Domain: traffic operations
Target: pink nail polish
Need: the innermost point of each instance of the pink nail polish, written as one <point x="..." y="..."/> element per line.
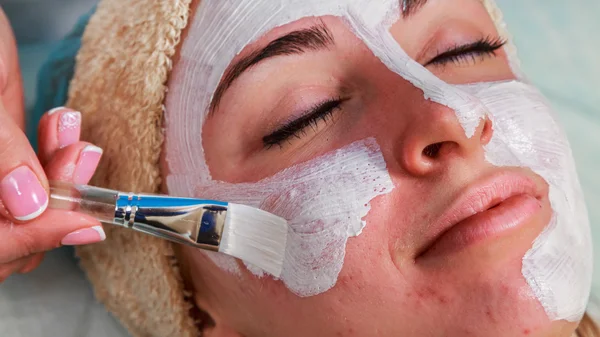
<point x="84" y="236"/>
<point x="23" y="195"/>
<point x="55" y="110"/>
<point x="87" y="164"/>
<point x="69" y="128"/>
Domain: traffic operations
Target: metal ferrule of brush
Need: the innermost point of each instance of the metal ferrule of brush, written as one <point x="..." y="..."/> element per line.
<point x="198" y="223"/>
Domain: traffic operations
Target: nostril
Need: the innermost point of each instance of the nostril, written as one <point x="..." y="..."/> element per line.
<point x="433" y="150"/>
<point x="487" y="132"/>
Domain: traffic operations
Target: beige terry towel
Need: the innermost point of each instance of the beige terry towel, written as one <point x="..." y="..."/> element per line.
<point x="119" y="86"/>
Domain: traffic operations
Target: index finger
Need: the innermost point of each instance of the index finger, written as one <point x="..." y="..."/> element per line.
<point x="11" y="84"/>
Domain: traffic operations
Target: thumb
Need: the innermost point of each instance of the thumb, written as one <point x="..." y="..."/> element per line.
<point x="23" y="183"/>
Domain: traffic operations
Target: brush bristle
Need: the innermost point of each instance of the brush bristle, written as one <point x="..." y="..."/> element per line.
<point x="255" y="236"/>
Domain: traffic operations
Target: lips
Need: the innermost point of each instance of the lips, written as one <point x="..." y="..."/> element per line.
<point x="496" y="205"/>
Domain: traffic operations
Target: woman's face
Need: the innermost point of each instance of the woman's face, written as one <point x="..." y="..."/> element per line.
<point x="416" y="269"/>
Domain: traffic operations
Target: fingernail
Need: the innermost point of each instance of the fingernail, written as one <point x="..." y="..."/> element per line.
<point x="84" y="236"/>
<point x="69" y="128"/>
<point x="53" y="111"/>
<point x="87" y="164"/>
<point x="23" y="195"/>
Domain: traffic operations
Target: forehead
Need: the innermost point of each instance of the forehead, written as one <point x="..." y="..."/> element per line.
<point x="262" y="15"/>
<point x="224" y="28"/>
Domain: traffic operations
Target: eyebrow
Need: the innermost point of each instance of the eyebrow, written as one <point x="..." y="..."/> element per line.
<point x="315" y="38"/>
<point x="411" y="7"/>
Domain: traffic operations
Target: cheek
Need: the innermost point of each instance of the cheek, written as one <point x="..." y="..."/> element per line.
<point x="368" y="257"/>
<point x="370" y="279"/>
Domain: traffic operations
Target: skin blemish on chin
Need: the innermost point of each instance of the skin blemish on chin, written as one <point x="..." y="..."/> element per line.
<point x="489" y="313"/>
<point x="428" y="294"/>
<point x="345" y="333"/>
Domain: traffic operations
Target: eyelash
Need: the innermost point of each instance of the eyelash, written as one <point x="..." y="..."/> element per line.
<point x="296" y="128"/>
<point x="482" y="48"/>
<point x="323" y="111"/>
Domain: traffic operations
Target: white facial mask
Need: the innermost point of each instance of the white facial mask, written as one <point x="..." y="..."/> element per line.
<point x="558" y="267"/>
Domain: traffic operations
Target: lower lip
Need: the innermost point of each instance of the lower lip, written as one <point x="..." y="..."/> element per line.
<point x="509" y="215"/>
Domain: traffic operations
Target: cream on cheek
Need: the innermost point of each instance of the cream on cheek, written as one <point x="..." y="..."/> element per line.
<point x="326" y="199"/>
<point x="558" y="266"/>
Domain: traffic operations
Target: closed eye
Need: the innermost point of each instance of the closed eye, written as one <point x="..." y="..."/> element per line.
<point x="483" y="48"/>
<point x="321" y="112"/>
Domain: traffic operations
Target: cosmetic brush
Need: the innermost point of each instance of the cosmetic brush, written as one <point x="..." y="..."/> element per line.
<point x="250" y="234"/>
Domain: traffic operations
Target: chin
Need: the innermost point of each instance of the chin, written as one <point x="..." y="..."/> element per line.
<point x="555" y="329"/>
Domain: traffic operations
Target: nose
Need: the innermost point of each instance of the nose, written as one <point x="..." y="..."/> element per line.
<point x="435" y="137"/>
